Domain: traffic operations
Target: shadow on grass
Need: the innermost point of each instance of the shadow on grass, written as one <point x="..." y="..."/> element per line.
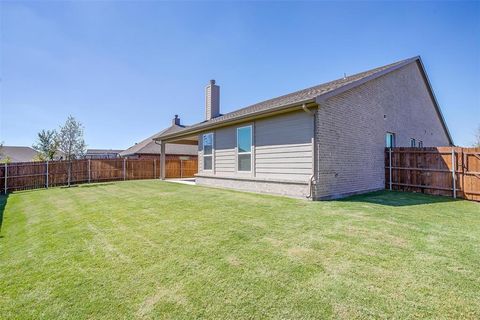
<point x="95" y="184"/>
<point x="3" y="204"/>
<point x="397" y="198"/>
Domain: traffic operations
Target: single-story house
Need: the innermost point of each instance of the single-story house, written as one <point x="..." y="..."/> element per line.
<point x="17" y="154"/>
<point x="323" y="142"/>
<point x="102" y="154"/>
<point x="149" y="149"/>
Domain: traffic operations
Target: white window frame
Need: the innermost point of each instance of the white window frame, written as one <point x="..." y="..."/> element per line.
<point x="208" y="155"/>
<point x="413" y="143"/>
<point x="393" y="138"/>
<point x="241" y="153"/>
<point x="420" y="143"/>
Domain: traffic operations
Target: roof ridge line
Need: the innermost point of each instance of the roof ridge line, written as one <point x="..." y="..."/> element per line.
<point x="324" y="90"/>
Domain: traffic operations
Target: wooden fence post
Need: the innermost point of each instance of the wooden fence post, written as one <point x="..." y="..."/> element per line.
<point x="124" y="168"/>
<point x="453" y="175"/>
<point x="390" y="167"/>
<point x="5" y="176"/>
<point x="46" y="174"/>
<point x="89" y="171"/>
<point x="154" y="168"/>
<point x="462" y="168"/>
<point x="69" y="169"/>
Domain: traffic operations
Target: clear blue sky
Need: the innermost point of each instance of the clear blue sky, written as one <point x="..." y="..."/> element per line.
<point x="125" y="68"/>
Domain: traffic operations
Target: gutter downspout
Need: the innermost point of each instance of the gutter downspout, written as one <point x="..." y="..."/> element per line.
<point x="311" y="181"/>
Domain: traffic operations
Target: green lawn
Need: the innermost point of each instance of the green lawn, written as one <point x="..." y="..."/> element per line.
<point x="151" y="249"/>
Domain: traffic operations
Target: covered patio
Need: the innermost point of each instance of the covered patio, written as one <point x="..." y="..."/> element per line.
<point x="163" y="141"/>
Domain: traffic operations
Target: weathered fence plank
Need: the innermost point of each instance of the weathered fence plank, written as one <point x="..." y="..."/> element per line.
<point x="447" y="171"/>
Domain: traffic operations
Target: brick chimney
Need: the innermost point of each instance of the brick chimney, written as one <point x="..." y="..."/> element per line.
<point x="176" y="121"/>
<point x="212" y="101"/>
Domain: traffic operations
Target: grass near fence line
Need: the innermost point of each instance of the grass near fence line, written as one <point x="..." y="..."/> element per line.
<point x="152" y="249"/>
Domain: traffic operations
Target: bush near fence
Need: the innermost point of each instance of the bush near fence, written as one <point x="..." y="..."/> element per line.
<point x="34" y="175"/>
<point x="446" y="171"/>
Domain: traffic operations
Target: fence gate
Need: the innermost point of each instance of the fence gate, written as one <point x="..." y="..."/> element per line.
<point x="181" y="167"/>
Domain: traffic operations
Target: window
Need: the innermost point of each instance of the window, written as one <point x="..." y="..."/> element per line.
<point x="208" y="151"/>
<point x="413" y="143"/>
<point x="420" y="143"/>
<point x="390" y="140"/>
<point x="244" y="148"/>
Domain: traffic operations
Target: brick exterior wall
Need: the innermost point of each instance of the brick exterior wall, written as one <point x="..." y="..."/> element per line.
<point x="289" y="189"/>
<point x="350" y="131"/>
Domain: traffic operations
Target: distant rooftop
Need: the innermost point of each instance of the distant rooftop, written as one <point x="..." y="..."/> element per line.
<point x="102" y="151"/>
<point x="18" y="153"/>
<point x="148" y="146"/>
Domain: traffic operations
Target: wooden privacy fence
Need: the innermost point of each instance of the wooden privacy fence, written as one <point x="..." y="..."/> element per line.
<point x="33" y="175"/>
<point x="448" y="171"/>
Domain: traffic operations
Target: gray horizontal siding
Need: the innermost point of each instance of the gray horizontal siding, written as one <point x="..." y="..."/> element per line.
<point x="225" y="141"/>
<point x="284" y="147"/>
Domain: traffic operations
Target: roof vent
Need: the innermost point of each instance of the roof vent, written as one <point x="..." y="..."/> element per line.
<point x="176" y="120"/>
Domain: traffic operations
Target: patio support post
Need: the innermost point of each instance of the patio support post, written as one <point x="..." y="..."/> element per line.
<point x="162" y="160"/>
<point x="181" y="169"/>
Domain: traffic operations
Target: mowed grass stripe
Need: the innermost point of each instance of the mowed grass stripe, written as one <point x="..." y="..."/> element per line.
<point x="152" y="249"/>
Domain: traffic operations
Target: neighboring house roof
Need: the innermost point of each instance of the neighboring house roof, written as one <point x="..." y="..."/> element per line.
<point x="148" y="146"/>
<point x="17" y="154"/>
<point x="315" y="94"/>
<point x="102" y="151"/>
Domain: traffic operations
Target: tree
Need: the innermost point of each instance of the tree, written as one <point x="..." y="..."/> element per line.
<point x="70" y="139"/>
<point x="2" y="159"/>
<point x="46" y="145"/>
<point x="70" y="142"/>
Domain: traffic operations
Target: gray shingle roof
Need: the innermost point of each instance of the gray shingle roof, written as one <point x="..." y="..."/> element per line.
<point x="148" y="146"/>
<point x="297" y="97"/>
<point x="102" y="151"/>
